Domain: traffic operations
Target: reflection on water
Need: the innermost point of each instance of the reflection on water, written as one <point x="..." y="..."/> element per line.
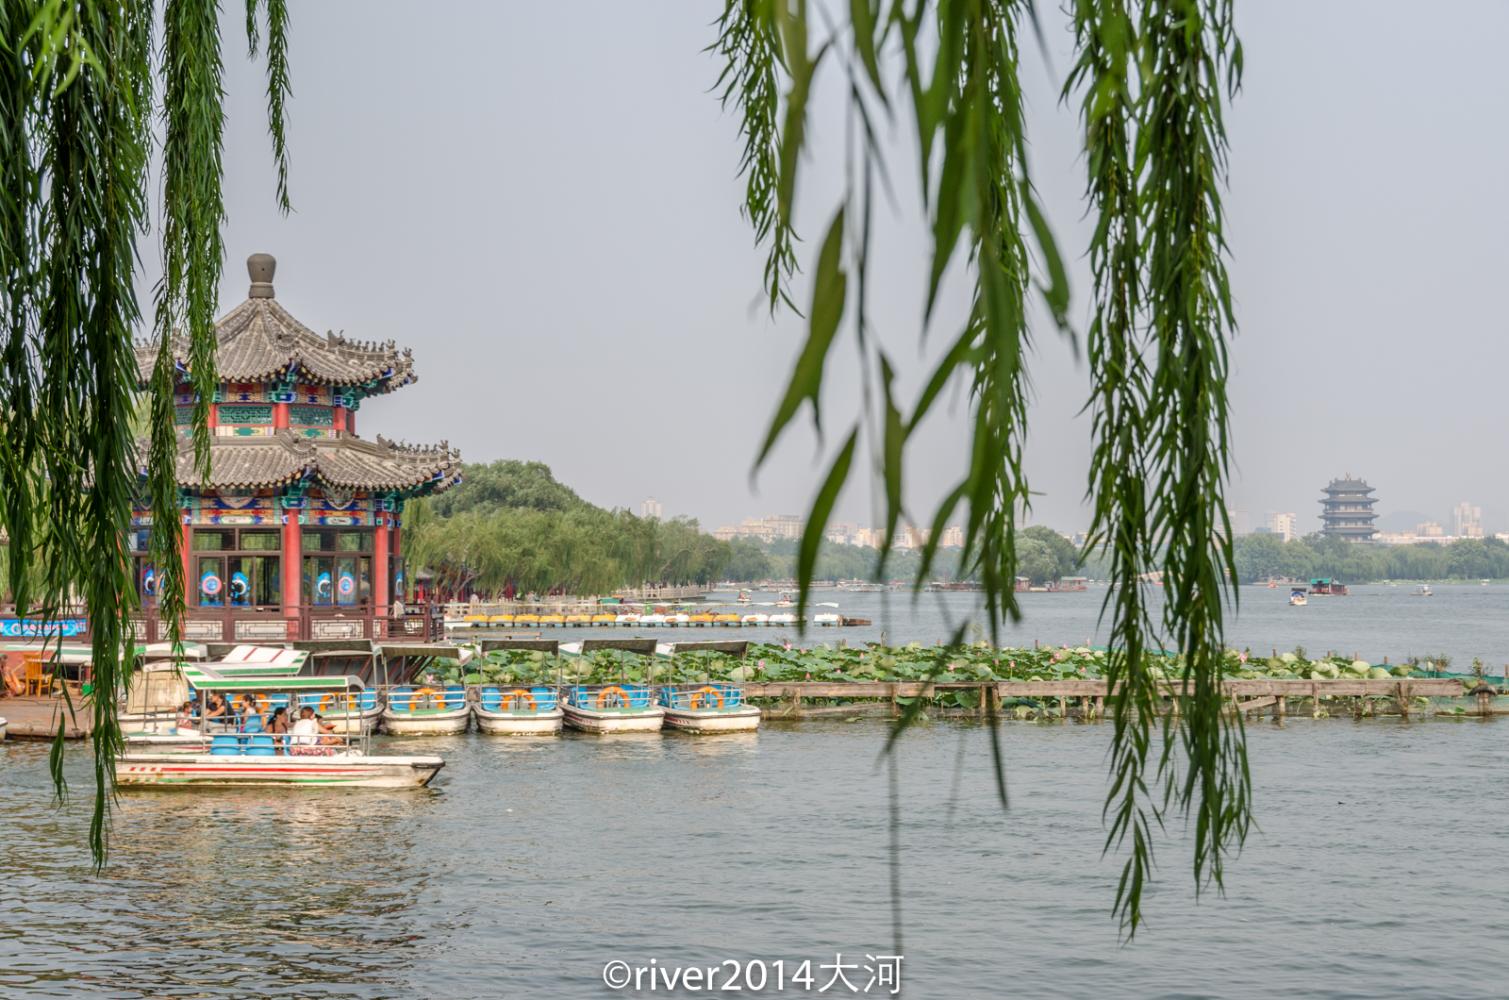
<point x="532" y="862"/>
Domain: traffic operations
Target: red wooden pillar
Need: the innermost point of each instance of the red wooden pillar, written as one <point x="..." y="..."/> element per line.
<point x="293" y="567"/>
<point x="338" y="419"/>
<point x="213" y="420"/>
<point x="380" y="569"/>
<point x="351" y="422"/>
<point x="279" y="416"/>
<point x="397" y="553"/>
<point x="190" y="585"/>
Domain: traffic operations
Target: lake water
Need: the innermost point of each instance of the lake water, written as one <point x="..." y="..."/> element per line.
<point x="1377" y="871"/>
<point x="1374" y="621"/>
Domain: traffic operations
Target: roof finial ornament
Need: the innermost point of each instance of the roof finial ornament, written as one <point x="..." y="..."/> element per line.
<point x="261" y="267"/>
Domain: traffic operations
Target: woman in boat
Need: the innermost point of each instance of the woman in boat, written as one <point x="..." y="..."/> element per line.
<point x="186" y="718"/>
<point x="245" y="711"/>
<point x="216" y="708"/>
<point x="277" y="725"/>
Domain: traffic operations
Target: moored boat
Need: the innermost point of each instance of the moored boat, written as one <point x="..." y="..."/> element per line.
<point x="1297" y="597"/>
<point x="532" y="711"/>
<point x="612" y="708"/>
<point x="262" y="765"/>
<point x="426" y="710"/>
<point x="716" y="707"/>
<point x="242" y="753"/>
<point x="356" y="711"/>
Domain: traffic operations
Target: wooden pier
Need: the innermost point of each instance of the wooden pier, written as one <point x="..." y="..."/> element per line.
<point x="38" y="718"/>
<point x="1089" y="696"/>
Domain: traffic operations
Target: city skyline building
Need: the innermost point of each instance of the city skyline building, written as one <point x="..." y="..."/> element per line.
<point x="1285" y="525"/>
<point x="652" y="508"/>
<point x="1467" y="520"/>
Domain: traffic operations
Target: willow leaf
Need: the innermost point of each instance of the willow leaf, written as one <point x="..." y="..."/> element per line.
<point x="817" y="520"/>
<point x="828" y="290"/>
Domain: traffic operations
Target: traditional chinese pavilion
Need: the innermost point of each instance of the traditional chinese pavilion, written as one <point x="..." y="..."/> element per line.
<point x="296" y="533"/>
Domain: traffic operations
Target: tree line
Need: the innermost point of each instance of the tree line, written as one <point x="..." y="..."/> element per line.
<point x="512" y="529"/>
<point x="1262" y="557"/>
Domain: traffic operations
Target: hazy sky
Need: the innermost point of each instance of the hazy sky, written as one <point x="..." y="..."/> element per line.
<point x="542" y="200"/>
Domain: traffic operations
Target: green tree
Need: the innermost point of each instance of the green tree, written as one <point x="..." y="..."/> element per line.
<point x="1150" y="79"/>
<point x="1066" y="558"/>
<point x="84" y="86"/>
<point x="1036" y="561"/>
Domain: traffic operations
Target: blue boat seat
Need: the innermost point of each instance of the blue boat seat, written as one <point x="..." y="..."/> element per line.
<point x="545" y="699"/>
<point x="492" y="699"/>
<point x="400" y="697"/>
<point x="454" y="697"/>
<point x="253" y="724"/>
<point x="225" y="746"/>
<point x="277" y="701"/>
<point x="260" y="746"/>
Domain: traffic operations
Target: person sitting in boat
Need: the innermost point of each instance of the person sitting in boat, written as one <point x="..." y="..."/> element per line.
<point x="277" y="725"/>
<point x="308" y="737"/>
<point x="326" y="730"/>
<point x="216" y="708"/>
<point x="246" y="709"/>
<point x="186" y="718"/>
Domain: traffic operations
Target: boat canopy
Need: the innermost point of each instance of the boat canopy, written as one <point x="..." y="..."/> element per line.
<point x="438" y="650"/>
<point x="176" y="651"/>
<point x="277" y="661"/>
<point x="205" y="680"/>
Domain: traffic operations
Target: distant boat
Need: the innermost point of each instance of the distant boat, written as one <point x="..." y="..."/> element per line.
<point x="1324" y="586"/>
<point x="1423" y="591"/>
<point x="1297" y="597"/>
<point x="744" y="597"/>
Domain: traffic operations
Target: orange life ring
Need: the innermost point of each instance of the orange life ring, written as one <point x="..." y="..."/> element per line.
<point x="325" y="703"/>
<point x="515" y="697"/>
<point x="424" y="692"/>
<point x="696" y="700"/>
<point x="616" y="691"/>
<point x="262" y="703"/>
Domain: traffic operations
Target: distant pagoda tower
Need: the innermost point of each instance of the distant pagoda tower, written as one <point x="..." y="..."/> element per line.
<point x="1346" y="511"/>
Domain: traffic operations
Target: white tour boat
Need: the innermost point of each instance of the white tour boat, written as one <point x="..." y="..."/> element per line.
<point x="716" y="707"/>
<point x="426" y="710"/>
<point x="612" y="708"/>
<point x="250" y="756"/>
<point x="518" y="711"/>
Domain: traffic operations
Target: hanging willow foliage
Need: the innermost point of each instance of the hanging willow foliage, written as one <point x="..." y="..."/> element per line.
<point x="1151" y="77"/>
<point x="77" y="84"/>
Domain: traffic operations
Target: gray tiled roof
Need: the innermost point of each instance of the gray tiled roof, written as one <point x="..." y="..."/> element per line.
<point x="260" y="340"/>
<point x="342" y="462"/>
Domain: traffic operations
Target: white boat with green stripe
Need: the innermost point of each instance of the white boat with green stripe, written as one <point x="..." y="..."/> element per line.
<point x="243" y="753"/>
